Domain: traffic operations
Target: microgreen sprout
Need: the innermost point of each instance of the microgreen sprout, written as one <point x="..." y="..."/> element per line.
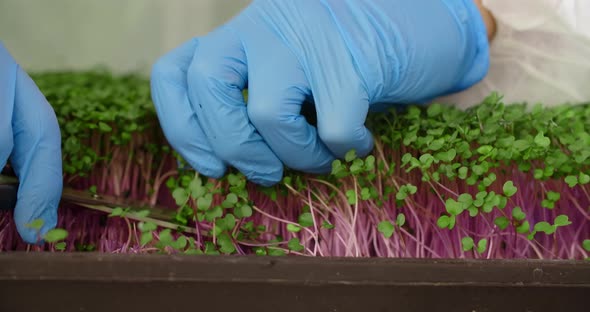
<point x="493" y="181"/>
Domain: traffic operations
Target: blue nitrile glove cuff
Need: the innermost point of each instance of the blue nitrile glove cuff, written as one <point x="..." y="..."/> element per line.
<point x="411" y="51"/>
<point x="479" y="61"/>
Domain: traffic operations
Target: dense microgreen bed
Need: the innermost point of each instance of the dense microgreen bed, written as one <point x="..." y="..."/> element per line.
<point x="111" y="141"/>
<point x="492" y="181"/>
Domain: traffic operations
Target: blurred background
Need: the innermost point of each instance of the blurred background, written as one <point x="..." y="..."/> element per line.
<point x="124" y="35"/>
<point x="540" y="53"/>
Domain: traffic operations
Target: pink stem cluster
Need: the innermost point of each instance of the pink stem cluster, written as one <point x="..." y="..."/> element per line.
<point x="355" y="232"/>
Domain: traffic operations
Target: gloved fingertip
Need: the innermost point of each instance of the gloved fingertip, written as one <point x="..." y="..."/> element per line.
<point x="266" y="181"/>
<point x="206" y="164"/>
<point x="33" y="236"/>
<point x="324" y="167"/>
<point x="212" y="173"/>
<point x="267" y="173"/>
<point x="366" y="147"/>
<point x="341" y="139"/>
<point x="35" y="217"/>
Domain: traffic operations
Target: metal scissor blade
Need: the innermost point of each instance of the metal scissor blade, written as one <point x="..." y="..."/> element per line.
<point x="8" y="192"/>
<point x="135" y="211"/>
<point x="87" y="198"/>
<point x="8" y="195"/>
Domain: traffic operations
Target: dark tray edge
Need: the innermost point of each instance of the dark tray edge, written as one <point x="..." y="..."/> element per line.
<point x="291" y="270"/>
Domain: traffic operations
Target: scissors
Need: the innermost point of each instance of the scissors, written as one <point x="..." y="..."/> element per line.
<point x="135" y="211"/>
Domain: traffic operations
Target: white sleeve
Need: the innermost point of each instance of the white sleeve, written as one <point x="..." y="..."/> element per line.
<point x="541" y="54"/>
<point x="552" y="15"/>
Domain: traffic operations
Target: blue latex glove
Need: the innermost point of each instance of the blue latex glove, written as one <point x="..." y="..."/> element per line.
<point x="347" y="56"/>
<point x="30" y="136"/>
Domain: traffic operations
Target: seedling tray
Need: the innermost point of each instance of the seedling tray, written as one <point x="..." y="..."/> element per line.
<point x="110" y="282"/>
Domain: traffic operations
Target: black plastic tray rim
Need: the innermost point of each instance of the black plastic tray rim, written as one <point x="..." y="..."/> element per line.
<point x="128" y="282"/>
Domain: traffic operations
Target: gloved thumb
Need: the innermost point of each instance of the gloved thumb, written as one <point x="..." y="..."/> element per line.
<point x="36" y="158"/>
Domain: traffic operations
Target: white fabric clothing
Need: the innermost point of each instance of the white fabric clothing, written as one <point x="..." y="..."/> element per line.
<point x="541" y="54"/>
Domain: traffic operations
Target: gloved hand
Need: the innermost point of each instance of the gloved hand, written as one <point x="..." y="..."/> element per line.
<point x="347" y="56"/>
<point x="30" y="136"/>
